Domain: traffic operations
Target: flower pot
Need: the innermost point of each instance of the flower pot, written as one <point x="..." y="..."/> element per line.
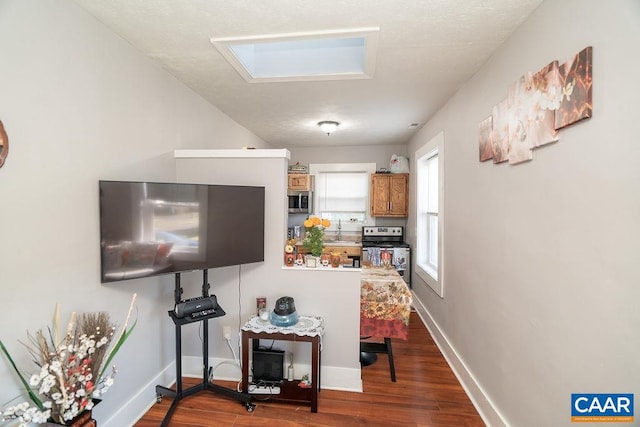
<point x="324" y="260"/>
<point x="289" y="259"/>
<point x="83" y="419"/>
<point x="311" y="261"/>
<point x="335" y="259"/>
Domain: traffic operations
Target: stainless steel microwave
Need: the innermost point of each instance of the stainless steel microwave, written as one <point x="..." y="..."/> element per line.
<point x="300" y="201"/>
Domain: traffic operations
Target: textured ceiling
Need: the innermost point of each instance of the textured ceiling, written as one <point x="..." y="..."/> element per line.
<point x="427" y="49"/>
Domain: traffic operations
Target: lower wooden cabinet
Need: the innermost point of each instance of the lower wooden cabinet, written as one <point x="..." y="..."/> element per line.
<point x="347" y="252"/>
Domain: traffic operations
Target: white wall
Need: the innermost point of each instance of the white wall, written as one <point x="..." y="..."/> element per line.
<point x="378" y="154"/>
<point x="79" y="105"/>
<point x="540" y="264"/>
<point x="331" y="294"/>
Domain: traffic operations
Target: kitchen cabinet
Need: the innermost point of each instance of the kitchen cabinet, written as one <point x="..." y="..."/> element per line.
<point x="347" y="252"/>
<point x="390" y="194"/>
<point x="299" y="182"/>
<point x="344" y="251"/>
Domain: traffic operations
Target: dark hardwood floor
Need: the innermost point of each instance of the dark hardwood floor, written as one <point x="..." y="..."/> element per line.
<point x="426" y="393"/>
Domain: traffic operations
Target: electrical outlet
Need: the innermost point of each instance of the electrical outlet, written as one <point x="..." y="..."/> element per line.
<point x="226" y="332"/>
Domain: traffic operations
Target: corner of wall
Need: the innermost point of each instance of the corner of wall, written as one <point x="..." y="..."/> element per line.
<point x="139" y="402"/>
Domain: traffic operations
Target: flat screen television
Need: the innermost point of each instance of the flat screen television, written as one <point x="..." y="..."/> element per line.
<point x="152" y="228"/>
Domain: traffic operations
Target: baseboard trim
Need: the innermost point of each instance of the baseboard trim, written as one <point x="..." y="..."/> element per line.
<point x="488" y="412"/>
<point x="138" y="404"/>
<point x="333" y="378"/>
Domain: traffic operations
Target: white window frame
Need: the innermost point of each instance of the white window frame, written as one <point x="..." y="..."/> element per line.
<point x="316" y="168"/>
<point x="432" y="277"/>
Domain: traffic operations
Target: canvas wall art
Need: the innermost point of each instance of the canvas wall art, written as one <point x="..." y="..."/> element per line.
<point x="484" y="136"/>
<point x="500" y="132"/>
<point x="575" y="84"/>
<point x="536" y="107"/>
<point x="520" y="144"/>
<point x="543" y="102"/>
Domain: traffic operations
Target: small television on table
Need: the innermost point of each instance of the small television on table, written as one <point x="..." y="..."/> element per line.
<point x="268" y="366"/>
<point x="152" y="228"/>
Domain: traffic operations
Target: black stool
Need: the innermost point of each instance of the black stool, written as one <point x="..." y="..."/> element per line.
<point x="368" y="355"/>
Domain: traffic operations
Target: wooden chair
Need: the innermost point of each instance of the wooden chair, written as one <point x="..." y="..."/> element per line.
<point x="368" y="351"/>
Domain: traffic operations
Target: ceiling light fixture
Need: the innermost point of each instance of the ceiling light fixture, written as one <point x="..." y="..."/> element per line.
<point x="328" y="126"/>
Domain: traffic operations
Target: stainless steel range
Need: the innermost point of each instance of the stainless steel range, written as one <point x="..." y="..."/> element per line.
<point x="382" y="245"/>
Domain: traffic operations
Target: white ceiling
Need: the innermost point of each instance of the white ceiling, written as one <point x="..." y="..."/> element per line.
<point x="426" y="50"/>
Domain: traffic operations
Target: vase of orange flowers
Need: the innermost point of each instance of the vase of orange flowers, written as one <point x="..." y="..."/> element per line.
<point x="313" y="242"/>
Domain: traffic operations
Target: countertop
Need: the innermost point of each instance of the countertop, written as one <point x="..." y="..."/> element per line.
<point x="338" y="243"/>
<point x="342" y="268"/>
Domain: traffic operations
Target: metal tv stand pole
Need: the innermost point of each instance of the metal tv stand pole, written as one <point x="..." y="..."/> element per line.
<point x="179" y="393"/>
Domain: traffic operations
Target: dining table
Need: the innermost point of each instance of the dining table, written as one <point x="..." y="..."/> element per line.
<point x="385" y="308"/>
<point x="385" y="303"/>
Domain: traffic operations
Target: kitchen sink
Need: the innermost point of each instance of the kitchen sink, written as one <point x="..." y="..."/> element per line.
<point x="342" y="243"/>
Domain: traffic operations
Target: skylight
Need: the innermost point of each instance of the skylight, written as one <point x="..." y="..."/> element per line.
<point x="304" y="56"/>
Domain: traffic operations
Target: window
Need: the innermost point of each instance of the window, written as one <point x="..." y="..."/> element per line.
<point x="326" y="55"/>
<point x="342" y="194"/>
<point x="429" y="218"/>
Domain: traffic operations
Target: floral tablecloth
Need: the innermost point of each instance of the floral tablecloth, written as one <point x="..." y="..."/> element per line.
<point x="385" y="304"/>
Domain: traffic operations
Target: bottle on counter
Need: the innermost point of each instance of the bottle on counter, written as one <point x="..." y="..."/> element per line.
<point x="290" y="368"/>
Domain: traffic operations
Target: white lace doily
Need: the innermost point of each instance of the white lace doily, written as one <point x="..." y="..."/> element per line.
<point x="310" y="326"/>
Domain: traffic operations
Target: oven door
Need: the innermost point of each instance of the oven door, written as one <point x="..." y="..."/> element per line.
<point x="373" y="255"/>
<point x="400" y="259"/>
<point x="402" y="262"/>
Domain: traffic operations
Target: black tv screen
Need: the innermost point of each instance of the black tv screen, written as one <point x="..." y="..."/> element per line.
<point x="151" y="228"/>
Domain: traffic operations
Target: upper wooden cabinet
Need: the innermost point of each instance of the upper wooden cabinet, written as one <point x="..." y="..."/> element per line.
<point x="300" y="182"/>
<point x="390" y="194"/>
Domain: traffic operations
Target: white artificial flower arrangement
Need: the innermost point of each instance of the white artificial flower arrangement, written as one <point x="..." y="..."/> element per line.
<point x="72" y="370"/>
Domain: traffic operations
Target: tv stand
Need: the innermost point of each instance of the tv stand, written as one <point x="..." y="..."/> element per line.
<point x="179" y="393"/>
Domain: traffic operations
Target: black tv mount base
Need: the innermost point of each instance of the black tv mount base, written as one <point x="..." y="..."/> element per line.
<point x="179" y="393"/>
